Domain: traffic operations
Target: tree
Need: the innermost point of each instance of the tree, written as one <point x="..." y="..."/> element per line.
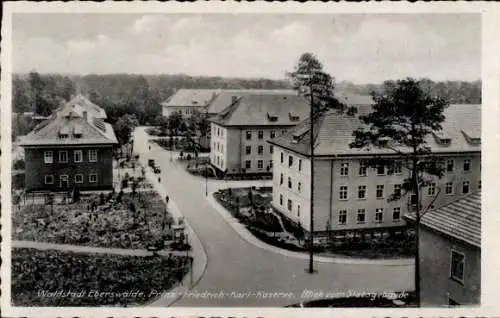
<point x="174" y="122"/>
<point x="311" y="81"/>
<point x="403" y="116"/>
<point x="124" y="127"/>
<point x="76" y="195"/>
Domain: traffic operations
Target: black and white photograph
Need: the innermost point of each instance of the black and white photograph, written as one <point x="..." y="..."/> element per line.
<point x="243" y="159"/>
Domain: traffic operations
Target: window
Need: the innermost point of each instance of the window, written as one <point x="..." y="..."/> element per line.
<point x="271" y="163"/>
<point x="260" y="150"/>
<point x="93" y="178"/>
<point x="93" y="155"/>
<point x="380" y="191"/>
<point x="397" y="190"/>
<point x="432" y="189"/>
<point x="479" y="185"/>
<point x="448" y="188"/>
<point x="63" y="156"/>
<point x="449" y="165"/>
<point x="218" y="160"/>
<point x="271" y="149"/>
<point x="413" y="199"/>
<point x="290" y="161"/>
<point x="289" y="205"/>
<point x="222" y="148"/>
<point x="281" y="179"/>
<point x="380" y="170"/>
<point x="457" y="266"/>
<point x="48" y="157"/>
<point x="361" y="216"/>
<point x="298" y="210"/>
<point x="343" y="193"/>
<point x="398" y="167"/>
<point x="260" y="134"/>
<point x="299" y="186"/>
<point x="362" y="192"/>
<point x="396" y="214"/>
<point x="78" y="156"/>
<point x="248" y="150"/>
<point x="49" y="179"/>
<point x="379" y="215"/>
<point x="362" y="168"/>
<point x="281" y="199"/>
<point x="282" y="156"/>
<point x="222" y="162"/>
<point x="289" y="182"/>
<point x="465" y="187"/>
<point x="344" y="169"/>
<point x="300" y="164"/>
<point x="467" y="165"/>
<point x="260" y="164"/>
<point x="249" y="135"/>
<point x="273" y="134"/>
<point x="342" y="217"/>
<point x="78" y="178"/>
<point x="248" y="164"/>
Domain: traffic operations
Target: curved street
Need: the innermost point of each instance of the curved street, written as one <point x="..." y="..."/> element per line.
<point x="241" y="274"/>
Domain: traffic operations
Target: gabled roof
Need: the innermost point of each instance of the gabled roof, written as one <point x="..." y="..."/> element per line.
<point x="81" y="103"/>
<point x="335" y="133"/>
<point x="80" y="130"/>
<point x="258" y="110"/>
<point x="191" y="98"/>
<point x="225" y="97"/>
<point x="459" y="219"/>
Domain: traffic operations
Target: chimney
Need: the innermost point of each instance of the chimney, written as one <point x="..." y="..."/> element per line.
<point x="233" y="98"/>
<point x="85" y="115"/>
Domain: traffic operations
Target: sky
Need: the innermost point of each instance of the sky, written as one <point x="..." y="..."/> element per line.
<point x="361" y="48"/>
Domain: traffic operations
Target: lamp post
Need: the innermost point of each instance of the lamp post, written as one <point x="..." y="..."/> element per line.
<point x="311" y="225"/>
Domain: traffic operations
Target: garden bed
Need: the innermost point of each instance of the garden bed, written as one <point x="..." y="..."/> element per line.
<point x="46" y="278"/>
<point x="180" y="144"/>
<point x="106" y="220"/>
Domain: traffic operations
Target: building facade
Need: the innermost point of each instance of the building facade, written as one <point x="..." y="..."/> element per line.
<point x="351" y="198"/>
<point x="72" y="149"/>
<point x="188" y="101"/>
<point x="239" y="133"/>
<point x="450" y="253"/>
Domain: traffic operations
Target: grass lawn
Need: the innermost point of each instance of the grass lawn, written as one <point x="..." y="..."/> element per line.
<point x="47" y="278"/>
<point x="112" y="224"/>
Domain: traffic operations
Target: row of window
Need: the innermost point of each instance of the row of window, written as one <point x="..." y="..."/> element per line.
<point x="290" y="161"/>
<point x="260" y="150"/>
<point x="260" y="164"/>
<point x="78" y="178"/>
<point x="360" y="214"/>
<point x="290" y="183"/>
<point x="219" y="161"/>
<point x="260" y="134"/>
<point x="48" y="156"/>
<point x="219" y="146"/>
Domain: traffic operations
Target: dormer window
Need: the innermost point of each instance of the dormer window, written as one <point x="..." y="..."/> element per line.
<point x="442" y="138"/>
<point x="383" y="141"/>
<point x="293" y="117"/>
<point x="472" y="137"/>
<point x="77" y="131"/>
<point x="63" y="133"/>
<point x="272" y="117"/>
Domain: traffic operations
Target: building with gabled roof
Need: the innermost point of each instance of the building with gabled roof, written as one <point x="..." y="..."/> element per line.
<point x="450" y="253"/>
<point x="81" y="103"/>
<point x="188" y="101"/>
<point x="70" y="149"/>
<point x="351" y="198"/>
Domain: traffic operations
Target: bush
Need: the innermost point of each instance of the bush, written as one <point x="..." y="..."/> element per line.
<point x="18" y="164"/>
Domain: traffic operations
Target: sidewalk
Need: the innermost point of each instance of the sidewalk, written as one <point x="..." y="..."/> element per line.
<point x="197" y="252"/>
<point x="250" y="238"/>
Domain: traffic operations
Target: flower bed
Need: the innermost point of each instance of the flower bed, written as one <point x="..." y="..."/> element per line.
<point x="129" y="221"/>
<point x="36" y="274"/>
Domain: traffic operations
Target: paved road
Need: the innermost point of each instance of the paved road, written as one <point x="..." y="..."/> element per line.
<point x="241" y="274"/>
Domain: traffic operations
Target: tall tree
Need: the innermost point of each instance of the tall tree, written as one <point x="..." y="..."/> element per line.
<point x="403" y="116"/>
<point x="124" y="127"/>
<point x="309" y="78"/>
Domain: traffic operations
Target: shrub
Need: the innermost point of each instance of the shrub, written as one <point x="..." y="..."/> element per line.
<point x="188" y="157"/>
<point x="18" y="164"/>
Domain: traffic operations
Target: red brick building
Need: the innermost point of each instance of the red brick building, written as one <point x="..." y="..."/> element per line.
<point x="74" y="148"/>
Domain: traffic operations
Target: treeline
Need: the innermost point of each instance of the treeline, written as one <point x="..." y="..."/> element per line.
<point x="142" y="95"/>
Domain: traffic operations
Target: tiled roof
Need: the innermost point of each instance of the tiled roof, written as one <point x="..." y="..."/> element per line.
<point x="81" y="103"/>
<point x="191" y="97"/>
<point x="335" y="133"/>
<point x="79" y="130"/>
<point x="259" y="110"/>
<point x="460" y="219"/>
<point x="225" y="96"/>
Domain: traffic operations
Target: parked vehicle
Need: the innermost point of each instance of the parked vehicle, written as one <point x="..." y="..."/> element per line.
<point x="156" y="169"/>
<point x="151" y="163"/>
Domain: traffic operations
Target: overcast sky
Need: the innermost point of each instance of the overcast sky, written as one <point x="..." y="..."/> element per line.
<point x="358" y="48"/>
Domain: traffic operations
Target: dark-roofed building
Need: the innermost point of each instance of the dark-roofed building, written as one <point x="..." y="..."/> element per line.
<point x="350" y="197"/>
<point x="71" y="149"/>
<point x="450" y="253"/>
<point x="188" y="101"/>
<point x="239" y="132"/>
